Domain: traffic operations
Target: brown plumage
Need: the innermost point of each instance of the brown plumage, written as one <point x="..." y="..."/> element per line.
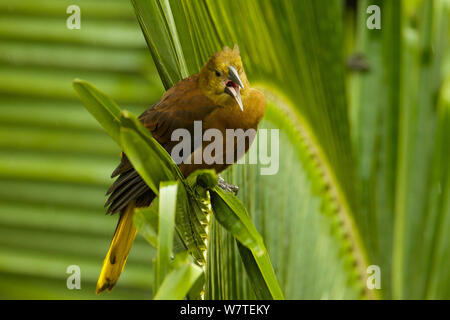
<point x="219" y="96"/>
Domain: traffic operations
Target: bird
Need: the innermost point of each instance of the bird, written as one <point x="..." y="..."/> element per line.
<point x="220" y="96"/>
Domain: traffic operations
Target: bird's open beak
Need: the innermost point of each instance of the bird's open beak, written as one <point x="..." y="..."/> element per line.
<point x="233" y="84"/>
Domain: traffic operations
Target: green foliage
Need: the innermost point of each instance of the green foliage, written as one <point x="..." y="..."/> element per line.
<point x="55" y="159"/>
<point x="180" y="279"/>
<point x="364" y="160"/>
<point x="166" y="230"/>
<point x="200" y="36"/>
<point x="233" y="216"/>
<point x="369" y="163"/>
<point x="395" y="120"/>
<point x="101" y="107"/>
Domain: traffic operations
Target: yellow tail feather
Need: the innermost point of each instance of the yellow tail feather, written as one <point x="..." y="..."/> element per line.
<point x="118" y="251"/>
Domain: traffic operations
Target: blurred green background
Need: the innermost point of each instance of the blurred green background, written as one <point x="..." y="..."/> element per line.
<point x="55" y="160"/>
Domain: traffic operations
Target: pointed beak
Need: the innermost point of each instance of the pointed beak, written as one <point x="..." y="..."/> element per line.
<point x="233" y="75"/>
<point x="233" y="86"/>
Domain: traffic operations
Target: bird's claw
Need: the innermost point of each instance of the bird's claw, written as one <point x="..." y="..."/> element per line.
<point x="227" y="186"/>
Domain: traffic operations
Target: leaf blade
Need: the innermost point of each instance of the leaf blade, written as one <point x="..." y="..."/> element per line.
<point x="167" y="209"/>
<point x="103" y="108"/>
<point x="230" y="212"/>
<point x="179" y="281"/>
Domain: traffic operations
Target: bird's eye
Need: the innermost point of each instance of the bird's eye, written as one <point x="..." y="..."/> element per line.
<point x="218" y="74"/>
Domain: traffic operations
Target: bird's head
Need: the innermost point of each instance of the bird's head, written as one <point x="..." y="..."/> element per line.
<point x="223" y="78"/>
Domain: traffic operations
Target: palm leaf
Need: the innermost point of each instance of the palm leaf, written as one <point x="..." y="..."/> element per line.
<point x="392" y="136"/>
<point x="167" y="209"/>
<point x="358" y="191"/>
<point x="197" y="20"/>
<point x="179" y="280"/>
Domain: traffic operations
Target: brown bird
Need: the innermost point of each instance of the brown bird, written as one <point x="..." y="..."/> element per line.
<point x="221" y="97"/>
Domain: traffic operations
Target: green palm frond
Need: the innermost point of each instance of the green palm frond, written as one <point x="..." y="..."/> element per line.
<point x="358" y="176"/>
<point x="198" y="21"/>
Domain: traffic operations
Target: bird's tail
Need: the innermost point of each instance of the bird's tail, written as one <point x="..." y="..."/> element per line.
<point x="118" y="251"/>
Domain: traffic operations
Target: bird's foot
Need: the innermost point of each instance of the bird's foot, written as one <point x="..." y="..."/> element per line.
<point x="227" y="186"/>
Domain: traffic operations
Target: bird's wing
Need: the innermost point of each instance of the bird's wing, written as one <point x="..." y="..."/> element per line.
<point x="179" y="108"/>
